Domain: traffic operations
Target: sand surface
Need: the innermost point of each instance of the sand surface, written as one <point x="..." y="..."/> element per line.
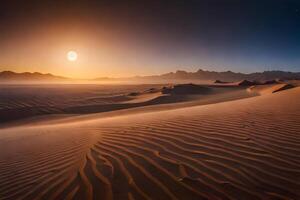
<point x="242" y="149"/>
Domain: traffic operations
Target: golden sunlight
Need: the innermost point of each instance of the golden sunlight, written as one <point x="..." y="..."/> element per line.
<point x="72" y="56"/>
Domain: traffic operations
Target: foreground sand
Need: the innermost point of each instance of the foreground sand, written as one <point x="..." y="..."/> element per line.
<point x="243" y="149"/>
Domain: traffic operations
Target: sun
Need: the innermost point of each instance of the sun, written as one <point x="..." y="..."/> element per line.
<point x="72" y="56"/>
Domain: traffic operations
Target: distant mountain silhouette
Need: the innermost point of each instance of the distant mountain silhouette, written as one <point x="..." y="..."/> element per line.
<point x="221" y="77"/>
<point x="28" y="76"/>
<point x="227" y="76"/>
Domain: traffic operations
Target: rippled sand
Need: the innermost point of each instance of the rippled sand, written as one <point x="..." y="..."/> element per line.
<point x="242" y="149"/>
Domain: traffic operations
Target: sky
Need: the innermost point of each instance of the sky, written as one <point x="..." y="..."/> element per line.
<point x="128" y="38"/>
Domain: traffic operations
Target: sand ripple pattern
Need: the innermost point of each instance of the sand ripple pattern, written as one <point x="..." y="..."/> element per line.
<point x="248" y="149"/>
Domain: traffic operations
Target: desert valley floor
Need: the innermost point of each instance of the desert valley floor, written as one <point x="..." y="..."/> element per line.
<point x="241" y="149"/>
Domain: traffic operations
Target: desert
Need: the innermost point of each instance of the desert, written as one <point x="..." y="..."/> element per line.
<point x="194" y="149"/>
<point x="149" y="100"/>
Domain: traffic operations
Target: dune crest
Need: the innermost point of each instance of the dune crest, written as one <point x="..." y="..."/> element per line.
<point x="270" y="88"/>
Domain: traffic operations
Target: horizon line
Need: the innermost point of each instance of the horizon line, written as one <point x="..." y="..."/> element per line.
<point x="133" y="76"/>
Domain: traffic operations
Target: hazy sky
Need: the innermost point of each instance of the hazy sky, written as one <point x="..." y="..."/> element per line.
<point x="119" y="38"/>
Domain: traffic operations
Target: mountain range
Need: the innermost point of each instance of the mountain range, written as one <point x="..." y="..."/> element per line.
<point x="28" y="76"/>
<point x="227" y="76"/>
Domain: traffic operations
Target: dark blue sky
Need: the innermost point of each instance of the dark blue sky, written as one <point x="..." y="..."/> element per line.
<point x="153" y="37"/>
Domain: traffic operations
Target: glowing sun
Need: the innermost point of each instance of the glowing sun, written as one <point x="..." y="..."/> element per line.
<point x="72" y="56"/>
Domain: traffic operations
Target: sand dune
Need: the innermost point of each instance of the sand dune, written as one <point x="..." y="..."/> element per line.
<point x="21" y="102"/>
<point x="244" y="149"/>
<point x="272" y="88"/>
